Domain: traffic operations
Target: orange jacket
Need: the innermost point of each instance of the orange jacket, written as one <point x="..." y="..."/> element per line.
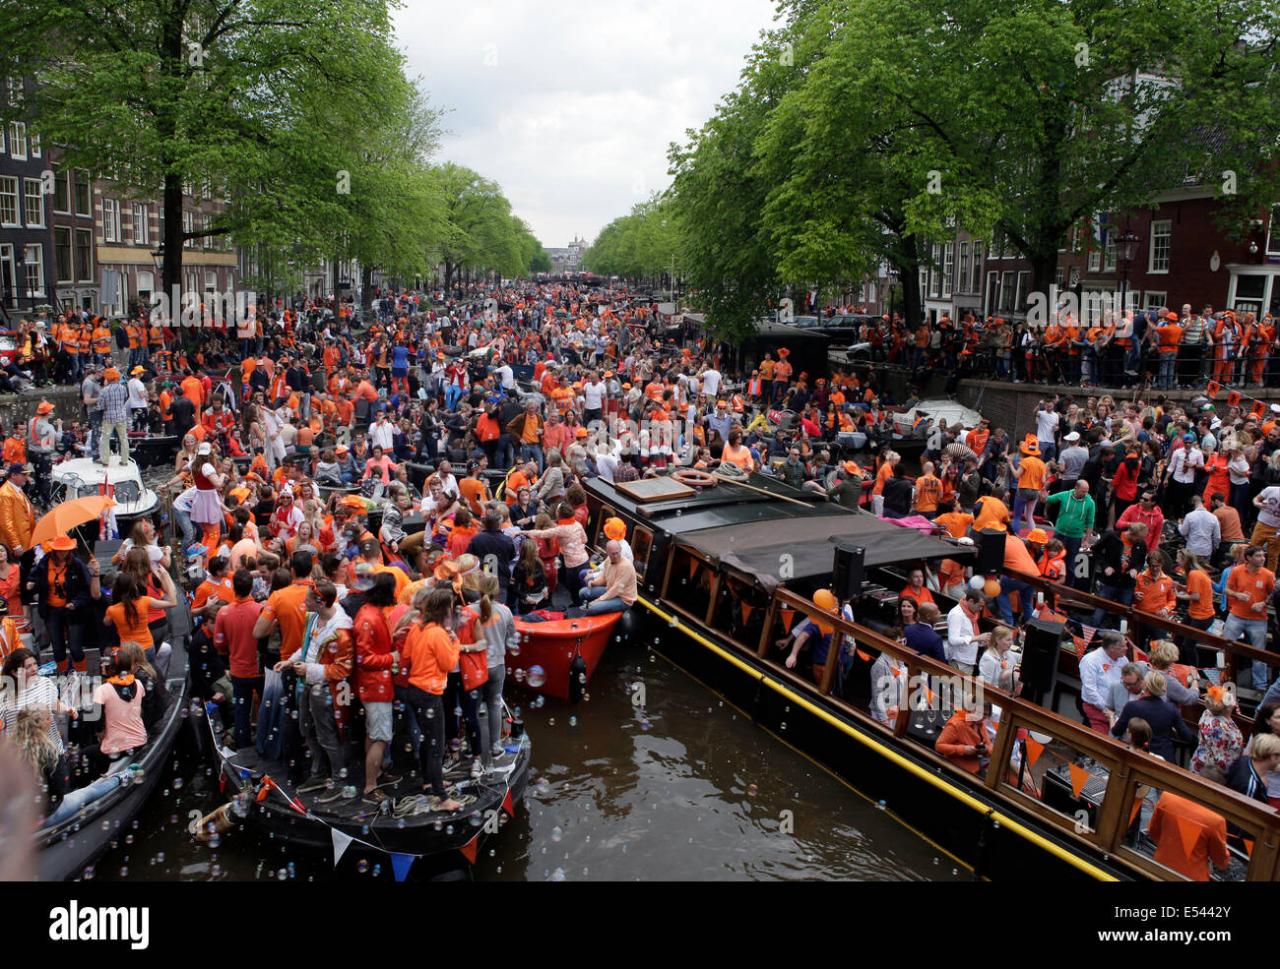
<point x="431" y="652"/>
<point x="959" y="734"/>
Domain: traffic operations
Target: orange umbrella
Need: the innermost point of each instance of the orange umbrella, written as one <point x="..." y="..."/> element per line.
<point x="68" y="515"/>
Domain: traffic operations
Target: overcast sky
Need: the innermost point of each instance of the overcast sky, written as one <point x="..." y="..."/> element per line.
<point x="570" y="106"/>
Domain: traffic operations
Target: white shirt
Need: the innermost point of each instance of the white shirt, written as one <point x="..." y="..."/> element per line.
<point x="506" y="376"/>
<point x="1269" y="513"/>
<point x="1183" y="464"/>
<point x="606" y="465"/>
<point x="1202" y="531"/>
<point x="710" y="382"/>
<point x="1046" y="424"/>
<point x="1098" y="672"/>
<point x="448" y="484"/>
<point x="380" y="435"/>
<point x="593" y="395"/>
<point x="960" y="645"/>
<point x="137" y="394"/>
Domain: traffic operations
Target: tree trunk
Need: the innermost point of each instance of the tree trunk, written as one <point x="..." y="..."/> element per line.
<point x="171" y="271"/>
<point x="366" y="290"/>
<point x="909" y="275"/>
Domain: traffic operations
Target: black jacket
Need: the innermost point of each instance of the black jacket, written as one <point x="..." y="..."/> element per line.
<point x="487" y="543"/>
<point x="1108" y="553"/>
<point x="78" y="595"/>
<point x="1165" y="721"/>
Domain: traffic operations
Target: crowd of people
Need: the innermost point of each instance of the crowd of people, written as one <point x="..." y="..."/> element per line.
<point x="373" y="504"/>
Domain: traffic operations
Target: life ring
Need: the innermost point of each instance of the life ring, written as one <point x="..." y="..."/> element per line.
<point x="693" y="478"/>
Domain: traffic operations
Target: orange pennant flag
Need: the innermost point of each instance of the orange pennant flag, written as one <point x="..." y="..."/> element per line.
<point x="1137" y="806"/>
<point x="1078" y="777"/>
<point x="1081" y="645"/>
<point x="1248" y="846"/>
<point x="1259" y="409"/>
<point x="1188" y="834"/>
<point x="1034" y="750"/>
<point x="693" y="567"/>
<point x="1212" y="389"/>
<point x="747" y="609"/>
<point x="1233" y="398"/>
<point x="865" y="657"/>
<point x="509" y="804"/>
<point x="470" y="848"/>
<point x="787" y="616"/>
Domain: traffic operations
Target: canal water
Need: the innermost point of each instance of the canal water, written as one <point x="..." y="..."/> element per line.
<point x="682" y="787"/>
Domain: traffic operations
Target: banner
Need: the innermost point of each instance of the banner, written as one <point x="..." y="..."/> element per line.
<point x="341" y="842"/>
<point x="400" y="865"/>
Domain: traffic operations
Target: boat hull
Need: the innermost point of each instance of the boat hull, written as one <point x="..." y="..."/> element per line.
<point x="553" y="646"/>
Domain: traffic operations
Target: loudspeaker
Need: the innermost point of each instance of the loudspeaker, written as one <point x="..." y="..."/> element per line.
<point x="846" y="572"/>
<point x="990" y="545"/>
<point x="1040" y="647"/>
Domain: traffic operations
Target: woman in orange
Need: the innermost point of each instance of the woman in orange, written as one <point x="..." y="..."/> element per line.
<point x="130" y="606"/>
<point x="736" y="453"/>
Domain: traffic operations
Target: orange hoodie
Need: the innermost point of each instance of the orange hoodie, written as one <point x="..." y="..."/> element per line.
<point x="432" y="651"/>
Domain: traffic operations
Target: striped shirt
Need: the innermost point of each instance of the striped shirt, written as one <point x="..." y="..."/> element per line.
<point x="114" y="401"/>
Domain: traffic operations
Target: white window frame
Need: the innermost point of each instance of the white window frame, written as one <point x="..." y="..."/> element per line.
<point x="141" y="223"/>
<point x="188" y="225"/>
<point x="15" y="194"/>
<point x="9" y="268"/>
<point x="76" y="238"/>
<point x="977" y="267"/>
<point x="1095" y="260"/>
<point x="962" y="275"/>
<point x="948" y="269"/>
<point x="1023" y="290"/>
<point x="1109" y="255"/>
<point x="71" y="254"/>
<point x="36" y="289"/>
<point x="75" y="194"/>
<point x="1273" y="232"/>
<point x="992" y="294"/>
<point x="36" y="197"/>
<point x="111" y="228"/>
<point x="66" y="179"/>
<point x="1008" y="286"/>
<point x="36" y="151"/>
<point x="1160" y="227"/>
<point x="3" y="140"/>
<point x="935" y="271"/>
<point x="1153" y="299"/>
<point x="18" y="140"/>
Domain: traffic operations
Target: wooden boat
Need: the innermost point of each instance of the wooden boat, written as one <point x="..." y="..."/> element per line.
<point x="69" y="848"/>
<point x="729" y="571"/>
<point x="549" y="652"/>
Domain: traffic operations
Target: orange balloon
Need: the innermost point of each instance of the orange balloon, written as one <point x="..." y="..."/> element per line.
<point x="991" y="589"/>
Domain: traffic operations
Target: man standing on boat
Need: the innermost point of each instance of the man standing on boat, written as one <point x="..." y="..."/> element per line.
<point x="1100" y="670"/>
<point x="962" y="632"/>
<point x="17" y="514"/>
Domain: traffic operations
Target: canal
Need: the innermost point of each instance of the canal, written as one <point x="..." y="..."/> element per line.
<point x="683" y="786"/>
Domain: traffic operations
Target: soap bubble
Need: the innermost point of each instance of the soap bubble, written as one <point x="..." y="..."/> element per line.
<point x="537" y="676"/>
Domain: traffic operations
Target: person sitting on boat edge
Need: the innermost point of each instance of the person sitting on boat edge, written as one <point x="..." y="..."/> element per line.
<point x="616" y="585"/>
<point x="816" y="633"/>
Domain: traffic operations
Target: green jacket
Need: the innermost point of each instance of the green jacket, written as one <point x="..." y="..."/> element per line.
<point x="1075" y="515"/>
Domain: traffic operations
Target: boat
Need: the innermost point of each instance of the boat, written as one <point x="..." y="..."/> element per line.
<point x="66" y="851"/>
<point x="906" y="423"/>
<point x="81" y="477"/>
<point x="151" y="450"/>
<point x="549" y="652"/>
<point x="442" y="842"/>
<point x="728" y="571"/>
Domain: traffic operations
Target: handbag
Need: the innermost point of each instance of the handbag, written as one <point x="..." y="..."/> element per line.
<point x="474" y="667"/>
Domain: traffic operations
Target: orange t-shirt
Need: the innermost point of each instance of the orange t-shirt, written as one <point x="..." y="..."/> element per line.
<point x="135" y="632"/>
<point x="288" y="607"/>
<point x="993" y="514"/>
<point x="955" y="522"/>
<point x="1257" y="585"/>
<point x="928" y="492"/>
<point x="1198" y="581"/>
<point x="474" y="493"/>
<point x="1032" y="474"/>
<point x="57" y="578"/>
<point x="1157" y="594"/>
<point x="883" y="475"/>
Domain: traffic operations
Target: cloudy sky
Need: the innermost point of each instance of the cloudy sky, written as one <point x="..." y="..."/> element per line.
<point x="570" y="106"/>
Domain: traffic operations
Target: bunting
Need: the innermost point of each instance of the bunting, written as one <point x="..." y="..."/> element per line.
<point x="1034" y="750"/>
<point x="787" y="616"/>
<point x="865" y="657"/>
<point x="1078" y="778"/>
<point x="1081" y="644"/>
<point x="400" y="864"/>
<point x="693" y="567"/>
<point x="341" y="842"/>
<point x="1248" y="846"/>
<point x="1137" y="807"/>
<point x="469" y="849"/>
<point x="509" y="805"/>
<point x="747" y="609"/>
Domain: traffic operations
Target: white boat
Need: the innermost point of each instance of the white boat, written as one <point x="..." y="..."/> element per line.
<point x="82" y="477"/>
<point x="949" y="410"/>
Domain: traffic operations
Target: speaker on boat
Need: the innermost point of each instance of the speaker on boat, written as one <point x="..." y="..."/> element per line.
<point x="990" y="544"/>
<point x="1039" y="670"/>
<point x="846" y="572"/>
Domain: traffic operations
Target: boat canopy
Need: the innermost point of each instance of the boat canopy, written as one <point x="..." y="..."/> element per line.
<point x="761" y="548"/>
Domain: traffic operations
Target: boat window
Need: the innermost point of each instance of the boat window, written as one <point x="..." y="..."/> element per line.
<point x="946" y="715"/>
<point x="740" y="611"/>
<point x="641" y="546"/>
<point x="689" y="585"/>
<point x="1066" y="780"/>
<point x="1182" y="835"/>
<point x="128" y="492"/>
<point x="602" y="514"/>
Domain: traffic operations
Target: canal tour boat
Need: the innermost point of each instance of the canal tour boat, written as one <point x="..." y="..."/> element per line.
<point x="82" y="477"/>
<point x="727" y="571"/>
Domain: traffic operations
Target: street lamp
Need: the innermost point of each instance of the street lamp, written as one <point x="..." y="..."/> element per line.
<point x="1126" y="248"/>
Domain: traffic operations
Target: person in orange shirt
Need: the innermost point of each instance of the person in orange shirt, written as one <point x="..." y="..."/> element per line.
<point x="1248" y="591"/>
<point x="1169" y="336"/>
<point x="954" y="521"/>
<point x="991" y="513"/>
<point x="916" y="589"/>
<point x="928" y="491"/>
<point x="976" y="439"/>
<point x="1178" y="821"/>
<point x="1031" y="481"/>
<point x="963" y="740"/>
<point x="1153" y="594"/>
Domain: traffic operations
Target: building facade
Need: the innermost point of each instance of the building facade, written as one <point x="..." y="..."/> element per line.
<point x="26" y="253"/>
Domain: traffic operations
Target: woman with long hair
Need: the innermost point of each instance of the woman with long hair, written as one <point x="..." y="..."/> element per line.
<point x="375" y="662"/>
<point x="432" y="649"/>
<point x="11" y="588"/>
<point x="572" y="539"/>
<point x="529" y="578"/>
<point x="139" y="599"/>
<point x="31" y="738"/>
<point x="498" y="627"/>
<point x="156" y="695"/>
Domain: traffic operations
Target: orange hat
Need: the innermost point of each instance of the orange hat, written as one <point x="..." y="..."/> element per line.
<point x="784" y="352"/>
<point x="111" y="373"/>
<point x="615" y="529"/>
<point x="851" y="467"/>
<point x="581" y="432"/>
<point x="354" y="502"/>
<point x="1038" y="536"/>
<point x="1171" y="316"/>
<point x="1030" y="447"/>
<point x="44" y="408"/>
<point x="63" y="543"/>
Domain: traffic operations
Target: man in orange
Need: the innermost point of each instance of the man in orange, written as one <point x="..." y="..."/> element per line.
<point x="101" y="338"/>
<point x="1178" y="821"/>
<point x="1153" y="594"/>
<point x="928" y="491"/>
<point x="1248" y="591"/>
<point x="286" y="610"/>
<point x="781" y="375"/>
<point x="1031" y="481"/>
<point x="1169" y="335"/>
<point x="193" y="390"/>
<point x="991" y="513"/>
<point x="976" y="439"/>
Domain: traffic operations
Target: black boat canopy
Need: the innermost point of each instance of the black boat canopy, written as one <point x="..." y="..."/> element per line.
<point x="761" y="547"/>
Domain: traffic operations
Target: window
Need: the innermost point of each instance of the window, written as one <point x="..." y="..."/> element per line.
<point x="33" y="264"/>
<point x="1059" y="276"/>
<point x="976" y="286"/>
<point x="18" y="140"/>
<point x="1161" y="236"/>
<point x="62" y="193"/>
<point x="1109" y="255"/>
<point x="8" y="274"/>
<point x="210" y="282"/>
<point x="948" y="268"/>
<point x="84" y="255"/>
<point x="141" y="229"/>
<point x="1153" y="300"/>
<point x="8" y="200"/>
<point x="2" y="139"/>
<point x="110" y="220"/>
<point x="188" y="226"/>
<point x="146" y="286"/>
<point x="84" y="196"/>
<point x="1008" y="287"/>
<point x="62" y="255"/>
<point x="993" y="293"/>
<point x="1095" y="260"/>
<point x="963" y="280"/>
<point x="1273" y="232"/>
<point x="32" y="189"/>
<point x="35" y="146"/>
<point x="935" y="271"/>
<point x="1024" y="287"/>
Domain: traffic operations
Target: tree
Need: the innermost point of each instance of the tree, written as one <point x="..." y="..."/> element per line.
<point x="480" y="233"/>
<point x="221" y="93"/>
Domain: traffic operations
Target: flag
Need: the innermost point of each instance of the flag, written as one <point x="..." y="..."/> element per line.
<point x="400" y="865"/>
<point x="1034" y="750"/>
<point x="469" y="849"/>
<point x="340" y="844"/>
<point x="509" y="804"/>
<point x="1078" y="777"/>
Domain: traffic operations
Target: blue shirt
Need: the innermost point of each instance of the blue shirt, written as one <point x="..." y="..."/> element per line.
<point x="399" y="357"/>
<point x="924" y="639"/>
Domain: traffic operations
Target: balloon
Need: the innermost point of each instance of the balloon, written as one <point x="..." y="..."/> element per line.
<point x="991" y="589"/>
<point x="977" y="583"/>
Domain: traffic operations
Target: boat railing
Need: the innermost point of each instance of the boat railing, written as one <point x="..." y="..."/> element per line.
<point x="1090" y="787"/>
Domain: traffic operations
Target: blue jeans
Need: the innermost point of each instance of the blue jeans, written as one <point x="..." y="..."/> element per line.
<point x="1025" y="594"/>
<point x="185" y="526"/>
<point x="1166" y="370"/>
<point x="1072" y="546"/>
<point x="1256" y="630"/>
<point x="1048" y="451"/>
<point x="77" y="799"/>
<point x="1122" y="596"/>
<point x="533" y="452"/>
<point x="595" y="606"/>
<point x="452" y="394"/>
